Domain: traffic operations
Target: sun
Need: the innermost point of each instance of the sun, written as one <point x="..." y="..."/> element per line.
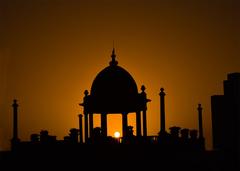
<point x="116" y="134"/>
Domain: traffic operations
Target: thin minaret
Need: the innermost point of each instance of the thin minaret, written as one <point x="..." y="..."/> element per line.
<point x="15" y="120"/>
<point x="85" y="104"/>
<point x="15" y="138"/>
<point x="200" y="125"/>
<point x="162" y="110"/>
<point x="144" y="95"/>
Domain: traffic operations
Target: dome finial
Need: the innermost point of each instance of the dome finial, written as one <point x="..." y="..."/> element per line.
<point x="113" y="62"/>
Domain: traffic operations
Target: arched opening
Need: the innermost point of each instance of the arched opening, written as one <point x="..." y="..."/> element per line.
<point x="114" y="124"/>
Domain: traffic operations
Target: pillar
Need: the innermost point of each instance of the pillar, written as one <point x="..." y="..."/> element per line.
<point x="138" y="123"/>
<point x="104" y="124"/>
<point x="144" y="123"/>
<point x="15" y="121"/>
<point x="144" y="99"/>
<point x="80" y="128"/>
<point x="86" y="126"/>
<point x="200" y="125"/>
<point x="124" y="124"/>
<point x="162" y="112"/>
<point x="86" y="113"/>
<point x="91" y="124"/>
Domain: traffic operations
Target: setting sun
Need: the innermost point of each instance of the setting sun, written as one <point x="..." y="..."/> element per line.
<point x="116" y="134"/>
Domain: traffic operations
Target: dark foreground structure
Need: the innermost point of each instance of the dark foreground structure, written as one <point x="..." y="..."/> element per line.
<point x="115" y="157"/>
<point x="114" y="91"/>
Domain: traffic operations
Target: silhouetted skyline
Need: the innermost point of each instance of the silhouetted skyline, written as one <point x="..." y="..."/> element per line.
<point x="51" y="51"/>
<point x="115" y="92"/>
<point x="110" y="93"/>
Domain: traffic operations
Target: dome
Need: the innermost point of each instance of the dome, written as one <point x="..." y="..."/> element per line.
<point x="113" y="91"/>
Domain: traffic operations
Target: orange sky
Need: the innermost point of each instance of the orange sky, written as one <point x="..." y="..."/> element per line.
<point x="51" y="50"/>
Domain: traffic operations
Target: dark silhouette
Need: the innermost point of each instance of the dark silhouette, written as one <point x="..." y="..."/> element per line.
<point x="114" y="91"/>
<point x="162" y="107"/>
<point x="15" y="139"/>
<point x="80" y="128"/>
<point x="226" y="119"/>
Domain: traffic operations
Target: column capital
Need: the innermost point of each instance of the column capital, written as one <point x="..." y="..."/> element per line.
<point x="162" y="93"/>
<point x="15" y="103"/>
<point x="199" y="107"/>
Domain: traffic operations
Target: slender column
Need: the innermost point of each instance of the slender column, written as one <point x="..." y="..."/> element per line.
<point x="144" y="109"/>
<point x="80" y="128"/>
<point x="200" y="125"/>
<point x="86" y="126"/>
<point x="91" y="124"/>
<point x="85" y="112"/>
<point x="138" y="123"/>
<point x="144" y="123"/>
<point x="124" y="124"/>
<point x="104" y="124"/>
<point x="15" y="121"/>
<point x="162" y="106"/>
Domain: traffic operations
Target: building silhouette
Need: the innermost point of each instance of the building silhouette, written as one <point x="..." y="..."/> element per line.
<point x="226" y="117"/>
<point x="114" y="91"/>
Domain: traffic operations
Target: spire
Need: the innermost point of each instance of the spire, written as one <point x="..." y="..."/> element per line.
<point x="113" y="62"/>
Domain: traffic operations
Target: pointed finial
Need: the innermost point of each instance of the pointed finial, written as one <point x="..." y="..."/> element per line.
<point x="113" y="62"/>
<point x="113" y="53"/>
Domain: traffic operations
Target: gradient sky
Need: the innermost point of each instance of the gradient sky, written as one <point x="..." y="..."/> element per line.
<point x="51" y="51"/>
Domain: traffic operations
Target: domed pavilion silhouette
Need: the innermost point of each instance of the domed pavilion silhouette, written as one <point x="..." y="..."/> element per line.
<point x="114" y="91"/>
